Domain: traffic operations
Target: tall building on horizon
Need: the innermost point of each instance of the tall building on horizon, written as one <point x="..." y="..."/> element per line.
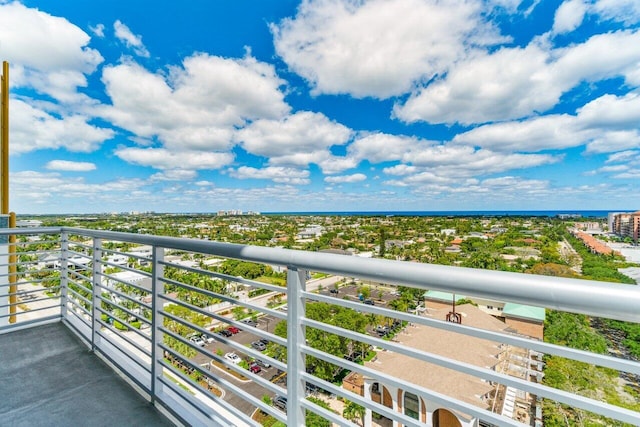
<point x="625" y="224"/>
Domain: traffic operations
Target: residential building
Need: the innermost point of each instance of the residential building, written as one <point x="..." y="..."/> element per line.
<point x="626" y="224"/>
<point x="457" y="385"/>
<point x="523" y="319"/>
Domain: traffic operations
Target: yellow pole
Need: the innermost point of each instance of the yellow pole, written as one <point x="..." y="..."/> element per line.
<point x="5" y="138"/>
<point x="13" y="299"/>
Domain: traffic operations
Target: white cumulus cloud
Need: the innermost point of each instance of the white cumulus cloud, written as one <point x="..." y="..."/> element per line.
<point x="569" y="16"/>
<point x="379" y="48"/>
<point x="47" y="53"/>
<point x="161" y="158"/>
<point x="356" y="177"/>
<point x="131" y="40"/>
<point x="302" y="132"/>
<point x="516" y="82"/>
<point x="197" y="106"/>
<point x="281" y="175"/>
<point x="35" y="129"/>
<point x="70" y="166"/>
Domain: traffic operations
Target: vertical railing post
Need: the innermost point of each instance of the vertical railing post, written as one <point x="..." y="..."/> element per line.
<point x="95" y="290"/>
<point x="296" y="285"/>
<point x="64" y="273"/>
<point x="156" y="321"/>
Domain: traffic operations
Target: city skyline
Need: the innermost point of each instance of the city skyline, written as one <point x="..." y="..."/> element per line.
<point x="331" y="105"/>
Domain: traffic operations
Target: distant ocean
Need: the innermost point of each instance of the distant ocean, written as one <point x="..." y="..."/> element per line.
<point x="554" y="213"/>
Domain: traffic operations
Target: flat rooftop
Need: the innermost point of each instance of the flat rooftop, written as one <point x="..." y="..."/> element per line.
<point x="48" y="377"/>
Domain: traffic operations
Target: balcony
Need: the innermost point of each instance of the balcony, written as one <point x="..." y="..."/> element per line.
<point x="125" y="327"/>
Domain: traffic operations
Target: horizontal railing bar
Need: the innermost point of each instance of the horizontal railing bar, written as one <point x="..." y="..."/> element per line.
<point x="79" y="285"/>
<point x="263" y="310"/>
<point x="31" y="310"/>
<point x="117" y="282"/>
<point x="84" y="310"/>
<point x="127" y="254"/>
<point x="126" y="296"/>
<point x="19" y="303"/>
<point x="25" y="292"/>
<point x="78" y="254"/>
<point x="126" y="268"/>
<point x="236" y="279"/>
<point x="73" y="244"/>
<point x="28" y="282"/>
<point x="77" y="294"/>
<point x="118" y="333"/>
<point x="20" y="244"/>
<point x="123" y="322"/>
<point x="123" y="308"/>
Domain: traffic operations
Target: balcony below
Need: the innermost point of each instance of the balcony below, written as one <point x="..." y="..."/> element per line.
<point x="49" y="377"/>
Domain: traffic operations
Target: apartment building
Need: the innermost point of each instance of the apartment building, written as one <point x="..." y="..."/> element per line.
<point x="626" y="224"/>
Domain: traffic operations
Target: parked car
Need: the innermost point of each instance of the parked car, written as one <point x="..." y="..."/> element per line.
<point x="264" y="341"/>
<point x="197" y="340"/>
<point x="259" y="345"/>
<point x="225" y="333"/>
<point x="233" y="329"/>
<point x="369" y="302"/>
<point x="207" y="338"/>
<point x="280" y="402"/>
<point x="255" y="368"/>
<point x="333" y="291"/>
<point x="233" y="358"/>
<point x="382" y="330"/>
<point x="262" y="363"/>
<point x="250" y="322"/>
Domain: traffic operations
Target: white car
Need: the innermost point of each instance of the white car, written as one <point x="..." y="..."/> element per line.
<point x="233" y="358"/>
<point x="197" y="340"/>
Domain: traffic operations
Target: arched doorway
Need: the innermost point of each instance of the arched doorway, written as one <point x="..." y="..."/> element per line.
<point x="380" y="394"/>
<point x="444" y="418"/>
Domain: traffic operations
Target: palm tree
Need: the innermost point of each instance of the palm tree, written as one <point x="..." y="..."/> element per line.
<point x="353" y="412"/>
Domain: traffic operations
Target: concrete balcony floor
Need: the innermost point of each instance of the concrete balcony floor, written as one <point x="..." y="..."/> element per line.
<point x="49" y="378"/>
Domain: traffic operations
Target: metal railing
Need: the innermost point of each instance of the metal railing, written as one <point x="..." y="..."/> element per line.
<point x="155" y="308"/>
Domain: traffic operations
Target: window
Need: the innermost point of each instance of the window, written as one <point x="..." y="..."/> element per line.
<point x="490" y="307"/>
<point x="411" y="405"/>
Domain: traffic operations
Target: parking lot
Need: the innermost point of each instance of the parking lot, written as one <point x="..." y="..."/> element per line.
<point x="245" y="338"/>
<point x="380" y="296"/>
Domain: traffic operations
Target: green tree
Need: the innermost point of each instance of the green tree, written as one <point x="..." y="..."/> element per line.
<point x="354" y="412"/>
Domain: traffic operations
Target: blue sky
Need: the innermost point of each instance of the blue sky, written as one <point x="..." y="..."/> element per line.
<point x="323" y="105"/>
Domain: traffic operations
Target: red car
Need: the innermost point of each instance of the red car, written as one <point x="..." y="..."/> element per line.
<point x="233" y="329"/>
<point x="254" y="368"/>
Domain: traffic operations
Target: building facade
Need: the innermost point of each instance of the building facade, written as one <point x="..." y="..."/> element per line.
<point x="626" y="224"/>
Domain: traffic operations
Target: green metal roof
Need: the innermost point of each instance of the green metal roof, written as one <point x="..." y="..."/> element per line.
<point x="442" y="296"/>
<point x="524" y="311"/>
